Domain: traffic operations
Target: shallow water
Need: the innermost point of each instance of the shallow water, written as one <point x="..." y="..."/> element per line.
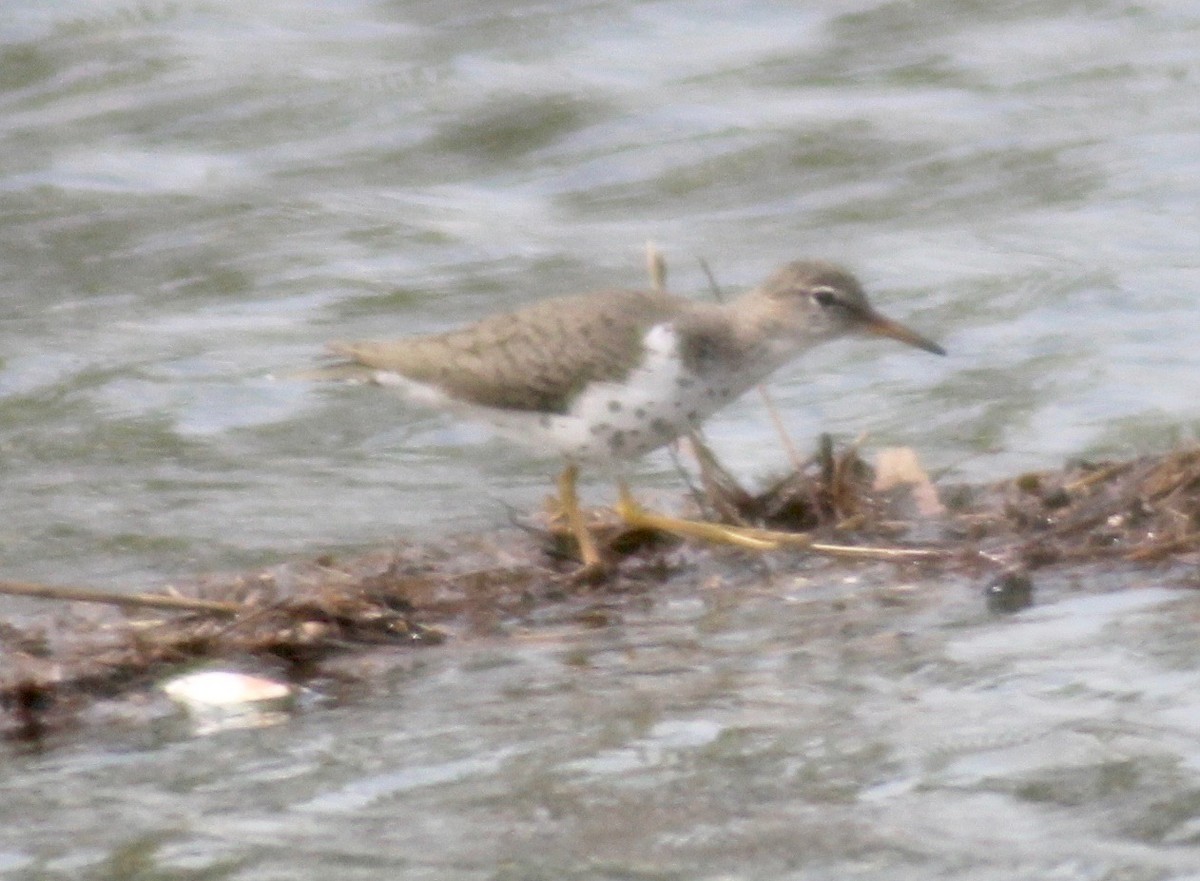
<point x="195" y="197"/>
<point x="804" y="728"/>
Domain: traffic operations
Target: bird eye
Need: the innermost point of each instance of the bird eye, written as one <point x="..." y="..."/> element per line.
<point x="824" y="296"/>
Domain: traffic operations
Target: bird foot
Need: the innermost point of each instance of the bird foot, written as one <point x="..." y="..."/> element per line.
<point x="747" y="537"/>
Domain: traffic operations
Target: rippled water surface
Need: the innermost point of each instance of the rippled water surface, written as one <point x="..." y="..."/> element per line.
<point x="196" y="196"/>
<point x="806" y="729"/>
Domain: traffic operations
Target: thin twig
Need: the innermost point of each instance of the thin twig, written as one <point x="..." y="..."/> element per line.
<point x="656" y="266"/>
<point x="129" y="600"/>
<point x="866" y="553"/>
<point x="773" y="540"/>
<point x="1098" y="476"/>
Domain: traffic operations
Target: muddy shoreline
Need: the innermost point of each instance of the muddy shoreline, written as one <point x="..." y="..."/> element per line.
<point x="333" y="624"/>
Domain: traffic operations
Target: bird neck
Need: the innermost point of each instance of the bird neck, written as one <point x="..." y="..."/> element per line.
<point x="731" y="338"/>
<point x="756" y="330"/>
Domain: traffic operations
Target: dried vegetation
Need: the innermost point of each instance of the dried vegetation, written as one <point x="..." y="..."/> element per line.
<point x="299" y="617"/>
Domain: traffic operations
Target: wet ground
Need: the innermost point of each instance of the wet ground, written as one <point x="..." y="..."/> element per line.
<point x="1020" y="704"/>
<point x="799" y="721"/>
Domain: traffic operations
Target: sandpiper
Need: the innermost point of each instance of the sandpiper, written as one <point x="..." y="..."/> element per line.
<point x="606" y="377"/>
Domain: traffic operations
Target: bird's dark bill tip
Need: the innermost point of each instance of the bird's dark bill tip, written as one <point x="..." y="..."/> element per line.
<point x="880" y="326"/>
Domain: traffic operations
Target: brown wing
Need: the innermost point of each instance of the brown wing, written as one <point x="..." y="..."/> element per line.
<point x="534" y="359"/>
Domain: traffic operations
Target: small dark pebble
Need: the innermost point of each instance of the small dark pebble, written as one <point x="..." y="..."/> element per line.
<point x="1009" y="592"/>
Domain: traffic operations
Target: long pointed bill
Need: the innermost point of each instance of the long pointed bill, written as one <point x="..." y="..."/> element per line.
<point x="879" y="326"/>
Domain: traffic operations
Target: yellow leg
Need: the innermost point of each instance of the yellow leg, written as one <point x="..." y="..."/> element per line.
<point x="569" y="499"/>
<point x="741" y="536"/>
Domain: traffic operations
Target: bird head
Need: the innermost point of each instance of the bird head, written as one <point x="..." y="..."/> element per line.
<point x="812" y="300"/>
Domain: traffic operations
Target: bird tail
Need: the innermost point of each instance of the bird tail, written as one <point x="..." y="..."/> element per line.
<point x="342" y="369"/>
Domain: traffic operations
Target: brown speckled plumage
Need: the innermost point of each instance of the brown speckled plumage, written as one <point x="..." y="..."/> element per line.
<point x="538" y="359"/>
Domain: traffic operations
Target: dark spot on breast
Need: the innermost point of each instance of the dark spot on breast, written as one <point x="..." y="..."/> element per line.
<point x="640" y="412"/>
<point x="685" y="382"/>
<point x="616" y="443"/>
<point x="544" y="421"/>
<point x="662" y="427"/>
<point x="614" y="406"/>
<point x="693" y="415"/>
<point x="706" y="350"/>
<point x="701" y="348"/>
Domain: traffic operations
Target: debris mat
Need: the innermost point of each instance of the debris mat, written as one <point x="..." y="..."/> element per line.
<point x="298" y="617"/>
